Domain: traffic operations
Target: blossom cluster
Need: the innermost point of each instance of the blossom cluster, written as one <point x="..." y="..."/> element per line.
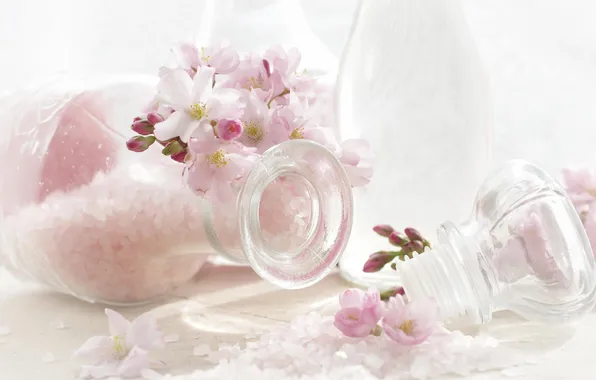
<point x="405" y="323"/>
<point x="216" y="112"/>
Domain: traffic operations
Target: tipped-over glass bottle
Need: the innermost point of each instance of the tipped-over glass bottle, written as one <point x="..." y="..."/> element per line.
<point x="524" y="249"/>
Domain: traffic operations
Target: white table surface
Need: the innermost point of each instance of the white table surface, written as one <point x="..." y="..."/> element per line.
<point x="541" y="57"/>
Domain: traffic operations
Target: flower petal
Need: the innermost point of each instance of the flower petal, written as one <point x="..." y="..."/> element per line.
<point x="144" y="333"/>
<point x="174" y="89"/>
<point x="118" y="324"/>
<point x="136" y="361"/>
<point x="351" y="298"/>
<point x="173" y="126"/>
<point x="202" y="85"/>
<point x="95" y="350"/>
<point x="102" y="371"/>
<point x="225" y="60"/>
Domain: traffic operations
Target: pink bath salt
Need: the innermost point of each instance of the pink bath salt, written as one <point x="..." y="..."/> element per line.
<point x="81" y="146"/>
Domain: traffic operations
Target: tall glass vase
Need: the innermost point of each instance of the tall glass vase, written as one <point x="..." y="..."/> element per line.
<point x="412" y="84"/>
<point x="255" y="25"/>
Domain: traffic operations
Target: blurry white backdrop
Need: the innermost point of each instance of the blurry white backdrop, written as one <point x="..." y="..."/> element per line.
<point x="540" y="56"/>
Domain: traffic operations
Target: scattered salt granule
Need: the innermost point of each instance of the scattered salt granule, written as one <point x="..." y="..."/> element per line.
<point x="48" y="357"/>
<point x="58" y="324"/>
<point x="311" y="348"/>
<point x="4" y="330"/>
<point x="171" y="338"/>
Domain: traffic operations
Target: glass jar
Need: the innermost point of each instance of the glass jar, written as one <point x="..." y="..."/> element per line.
<point x="411" y="83"/>
<point x="85" y="216"/>
<point x="256" y="25"/>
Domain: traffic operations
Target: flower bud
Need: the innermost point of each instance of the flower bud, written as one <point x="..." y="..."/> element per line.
<point x="173" y="147"/>
<point x="140" y="143"/>
<point x="154" y="118"/>
<point x="392" y="292"/>
<point x="414" y="245"/>
<point x="137" y="119"/>
<point x="229" y="130"/>
<point x="142" y="127"/>
<point x="413" y="234"/>
<point x="179" y="157"/>
<point x="383" y="229"/>
<point x="397" y="238"/>
<point x="377" y="261"/>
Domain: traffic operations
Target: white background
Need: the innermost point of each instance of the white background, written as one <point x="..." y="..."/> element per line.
<point x="540" y="56"/>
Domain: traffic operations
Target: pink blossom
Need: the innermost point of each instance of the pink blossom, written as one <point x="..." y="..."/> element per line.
<point x="253" y="74"/>
<point x="216" y="165"/>
<point x="194" y="102"/>
<point x="125" y="351"/>
<point x="282" y="64"/>
<point x="360" y="312"/>
<point x="581" y="187"/>
<point x="296" y="120"/>
<point x="353" y="155"/>
<point x="222" y="58"/>
<point x="412" y="323"/>
<point x="261" y="131"/>
<point x="229" y="129"/>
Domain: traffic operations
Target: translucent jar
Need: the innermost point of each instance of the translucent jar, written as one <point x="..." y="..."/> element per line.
<point x="85" y="216"/>
<point x="412" y="85"/>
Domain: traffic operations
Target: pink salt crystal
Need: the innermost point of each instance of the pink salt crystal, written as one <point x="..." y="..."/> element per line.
<point x="81" y="146"/>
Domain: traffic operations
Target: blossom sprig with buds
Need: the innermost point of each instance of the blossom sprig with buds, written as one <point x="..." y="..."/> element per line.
<point x="408" y="242"/>
<point x="217" y="111"/>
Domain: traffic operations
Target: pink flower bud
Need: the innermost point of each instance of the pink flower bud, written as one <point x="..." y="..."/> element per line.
<point x="179" y="157"/>
<point x="229" y="130"/>
<point x="413" y="234"/>
<point x="154" y="118"/>
<point x="414" y="245"/>
<point x="137" y="119"/>
<point x="140" y="143"/>
<point x="377" y="261"/>
<point x="142" y="127"/>
<point x="397" y="238"/>
<point x="173" y="147"/>
<point x="383" y="229"/>
<point x="392" y="292"/>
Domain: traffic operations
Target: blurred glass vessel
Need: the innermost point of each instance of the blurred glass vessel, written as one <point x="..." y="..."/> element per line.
<point x="524" y="249"/>
<point x="411" y="84"/>
<point x="85" y="216"/>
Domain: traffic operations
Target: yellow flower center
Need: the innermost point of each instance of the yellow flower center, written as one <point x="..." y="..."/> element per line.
<point x="253" y="82"/>
<point x="204" y="58"/>
<point x="352" y="317"/>
<point x="218" y="159"/>
<point x="120" y="350"/>
<point x="297" y="133"/>
<point x="198" y="111"/>
<point x="253" y="130"/>
<point x="407" y="327"/>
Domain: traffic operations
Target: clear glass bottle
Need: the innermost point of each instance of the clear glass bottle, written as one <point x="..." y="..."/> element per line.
<point x="85" y="216"/>
<point x="411" y="83"/>
<point x="523" y="249"/>
<point x="256" y="25"/>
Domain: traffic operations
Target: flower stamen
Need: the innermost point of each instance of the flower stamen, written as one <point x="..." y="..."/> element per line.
<point x="407" y="327"/>
<point x="218" y="159"/>
<point x="120" y="350"/>
<point x="198" y="111"/>
<point x="254" y="131"/>
<point x="297" y="133"/>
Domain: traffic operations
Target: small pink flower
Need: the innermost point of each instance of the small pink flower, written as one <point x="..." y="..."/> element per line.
<point x="412" y="323"/>
<point x="125" y="352"/>
<point x="353" y="155"/>
<point x="195" y="101"/>
<point x="222" y="58"/>
<point x="360" y="312"/>
<point x="228" y="130"/>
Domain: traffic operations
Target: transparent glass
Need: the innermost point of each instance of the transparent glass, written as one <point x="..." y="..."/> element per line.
<point x="85" y="216"/>
<point x="412" y="85"/>
<point x="524" y="249"/>
<point x="256" y="25"/>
